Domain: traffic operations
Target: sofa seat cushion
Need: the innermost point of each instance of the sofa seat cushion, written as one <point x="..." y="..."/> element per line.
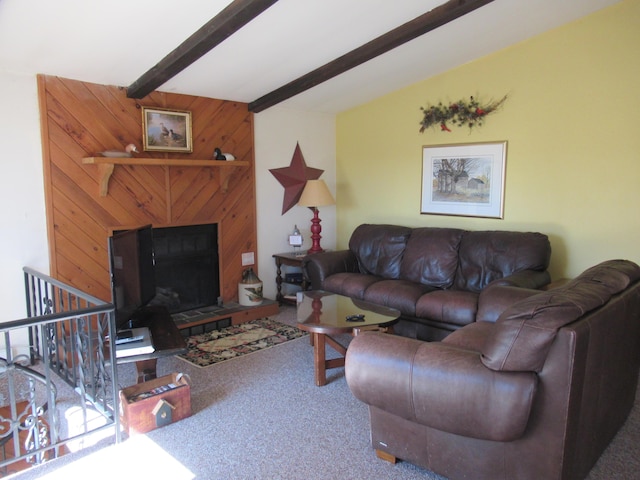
<point x="450" y="306"/>
<point x="400" y="294"/>
<point x="470" y="337"/>
<point x="349" y="284"/>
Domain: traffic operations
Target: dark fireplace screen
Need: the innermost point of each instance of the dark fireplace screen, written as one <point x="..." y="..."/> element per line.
<point x="187" y="267"/>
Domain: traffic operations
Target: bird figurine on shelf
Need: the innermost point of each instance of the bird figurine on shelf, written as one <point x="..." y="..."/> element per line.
<point x="128" y="150"/>
<point x="218" y="155"/>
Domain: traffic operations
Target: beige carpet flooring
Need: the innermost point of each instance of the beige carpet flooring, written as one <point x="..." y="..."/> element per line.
<point x="261" y="417"/>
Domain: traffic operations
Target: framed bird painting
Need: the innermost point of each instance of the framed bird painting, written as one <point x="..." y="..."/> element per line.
<point x="166" y="130"/>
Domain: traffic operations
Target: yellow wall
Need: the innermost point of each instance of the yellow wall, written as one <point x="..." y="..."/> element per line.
<point x="572" y="123"/>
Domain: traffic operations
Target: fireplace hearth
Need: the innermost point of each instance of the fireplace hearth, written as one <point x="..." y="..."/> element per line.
<point x="187" y="267"/>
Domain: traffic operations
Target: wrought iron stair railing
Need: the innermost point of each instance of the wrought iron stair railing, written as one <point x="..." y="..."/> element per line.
<point x="55" y="361"/>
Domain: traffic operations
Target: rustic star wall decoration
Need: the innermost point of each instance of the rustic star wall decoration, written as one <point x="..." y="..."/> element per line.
<point x="294" y="177"/>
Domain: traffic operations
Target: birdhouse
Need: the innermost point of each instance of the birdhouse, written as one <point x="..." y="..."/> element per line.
<point x="163" y="413"/>
<point x="156" y="403"/>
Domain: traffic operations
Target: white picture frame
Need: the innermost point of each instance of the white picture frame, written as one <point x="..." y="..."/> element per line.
<point x="464" y="179"/>
<point x="295" y="240"/>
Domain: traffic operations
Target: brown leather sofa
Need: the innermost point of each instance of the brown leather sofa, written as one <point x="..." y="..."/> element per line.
<point x="538" y="394"/>
<point x="437" y="277"/>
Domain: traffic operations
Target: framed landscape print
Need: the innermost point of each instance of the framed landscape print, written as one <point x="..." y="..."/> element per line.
<point x="464" y="179"/>
<point x="166" y="130"/>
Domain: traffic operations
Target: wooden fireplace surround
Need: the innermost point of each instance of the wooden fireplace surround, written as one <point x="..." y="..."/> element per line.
<point x="86" y="201"/>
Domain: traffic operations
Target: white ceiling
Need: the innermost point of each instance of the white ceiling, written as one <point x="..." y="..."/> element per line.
<point x="114" y="42"/>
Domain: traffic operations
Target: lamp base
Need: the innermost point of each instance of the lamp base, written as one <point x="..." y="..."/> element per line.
<point x="315" y="232"/>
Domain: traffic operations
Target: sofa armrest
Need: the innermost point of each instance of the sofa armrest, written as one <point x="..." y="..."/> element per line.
<point x="501" y="294"/>
<point x="496" y="299"/>
<point x="440" y="386"/>
<point x="318" y="266"/>
<point x="524" y="279"/>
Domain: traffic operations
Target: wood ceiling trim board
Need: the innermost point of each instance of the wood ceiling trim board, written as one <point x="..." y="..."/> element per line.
<point x="233" y="17"/>
<point x="425" y="23"/>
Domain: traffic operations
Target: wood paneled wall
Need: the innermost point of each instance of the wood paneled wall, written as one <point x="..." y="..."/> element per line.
<point x="81" y="119"/>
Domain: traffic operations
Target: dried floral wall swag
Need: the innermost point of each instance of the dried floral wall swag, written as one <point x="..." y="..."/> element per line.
<point x="461" y="113"/>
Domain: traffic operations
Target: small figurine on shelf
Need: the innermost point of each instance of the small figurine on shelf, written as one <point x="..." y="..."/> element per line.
<point x="218" y="155"/>
<point x="295" y="239"/>
<point x="128" y="150"/>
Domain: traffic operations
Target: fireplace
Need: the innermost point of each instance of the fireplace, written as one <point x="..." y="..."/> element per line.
<point x="187" y="267"/>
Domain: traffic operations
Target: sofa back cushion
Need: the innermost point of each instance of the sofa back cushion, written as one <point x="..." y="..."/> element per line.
<point x="524" y="333"/>
<point x="431" y="256"/>
<point x="379" y="248"/>
<point x="486" y="256"/>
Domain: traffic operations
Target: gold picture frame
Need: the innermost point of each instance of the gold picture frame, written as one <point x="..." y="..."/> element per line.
<point x="464" y="179"/>
<point x="166" y="130"/>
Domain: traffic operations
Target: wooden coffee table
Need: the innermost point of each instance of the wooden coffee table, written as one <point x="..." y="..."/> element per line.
<point x="323" y="314"/>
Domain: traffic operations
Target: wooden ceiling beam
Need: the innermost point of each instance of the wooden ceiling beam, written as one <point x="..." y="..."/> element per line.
<point x="236" y="15"/>
<point x="427" y="22"/>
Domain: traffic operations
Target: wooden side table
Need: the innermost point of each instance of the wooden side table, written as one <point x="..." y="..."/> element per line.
<point x="292" y="259"/>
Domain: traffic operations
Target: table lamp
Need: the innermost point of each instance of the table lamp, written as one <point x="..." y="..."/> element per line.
<point x="315" y="194"/>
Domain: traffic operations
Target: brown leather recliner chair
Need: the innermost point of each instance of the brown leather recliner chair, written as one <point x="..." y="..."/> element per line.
<point x="538" y="394"/>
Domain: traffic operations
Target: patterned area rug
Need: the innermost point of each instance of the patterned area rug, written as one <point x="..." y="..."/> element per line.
<point x="237" y="340"/>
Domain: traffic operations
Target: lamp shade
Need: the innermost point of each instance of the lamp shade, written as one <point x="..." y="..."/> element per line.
<point x="316" y="194"/>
